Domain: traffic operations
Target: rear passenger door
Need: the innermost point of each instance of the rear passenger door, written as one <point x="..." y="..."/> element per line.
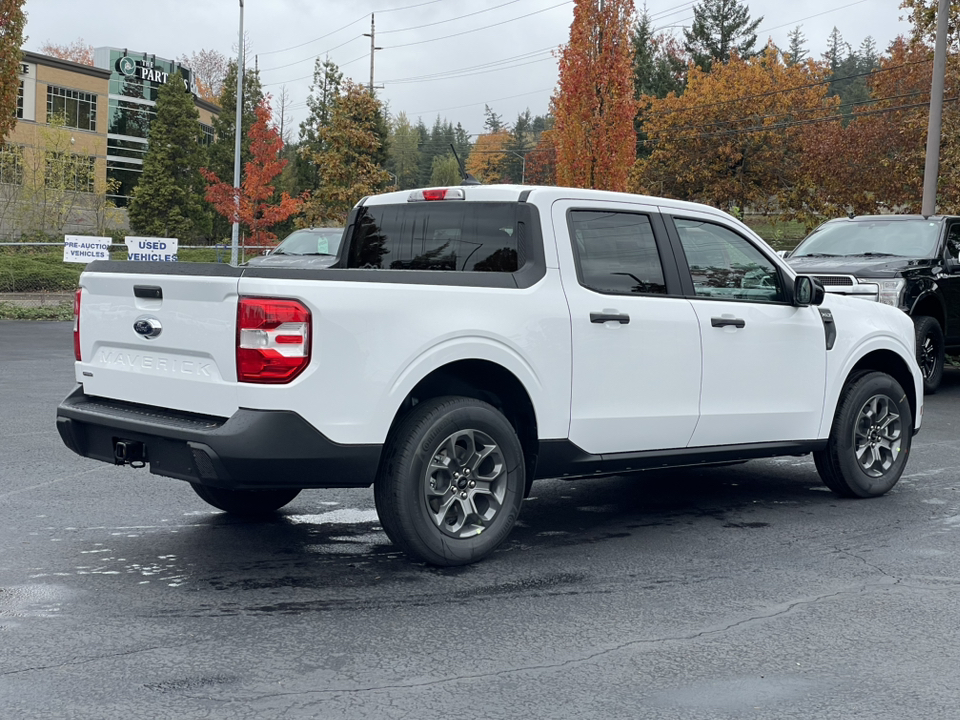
<point x="764" y="359"/>
<point x="636" y="341"/>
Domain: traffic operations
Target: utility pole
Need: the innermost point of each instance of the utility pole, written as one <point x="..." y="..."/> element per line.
<point x="931" y="169"/>
<point x="373" y="48"/>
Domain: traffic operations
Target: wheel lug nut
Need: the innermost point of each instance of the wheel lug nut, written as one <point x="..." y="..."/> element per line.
<point x="463" y="496"/>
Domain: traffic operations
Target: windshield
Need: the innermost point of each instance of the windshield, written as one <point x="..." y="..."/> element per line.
<point x="311" y="241"/>
<point x="898" y="238"/>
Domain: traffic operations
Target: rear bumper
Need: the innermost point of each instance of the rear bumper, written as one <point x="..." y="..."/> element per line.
<point x="251" y="450"/>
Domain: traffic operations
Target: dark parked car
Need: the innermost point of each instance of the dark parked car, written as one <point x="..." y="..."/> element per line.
<point x="308" y="247"/>
<point x="908" y="261"/>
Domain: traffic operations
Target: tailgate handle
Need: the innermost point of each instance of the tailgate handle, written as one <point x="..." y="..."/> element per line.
<point x="150" y="292"/>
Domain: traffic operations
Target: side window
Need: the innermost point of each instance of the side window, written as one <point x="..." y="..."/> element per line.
<point x="953" y="241"/>
<point x="616" y="252"/>
<point x="725" y="265"/>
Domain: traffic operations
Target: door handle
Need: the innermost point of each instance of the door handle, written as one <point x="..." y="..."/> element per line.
<point x="726" y="322"/>
<point x="621" y="318"/>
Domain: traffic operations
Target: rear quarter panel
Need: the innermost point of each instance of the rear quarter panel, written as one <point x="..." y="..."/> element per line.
<point x="373" y="342"/>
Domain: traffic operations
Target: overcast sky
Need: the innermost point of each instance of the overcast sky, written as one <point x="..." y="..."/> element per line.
<point x="503" y="47"/>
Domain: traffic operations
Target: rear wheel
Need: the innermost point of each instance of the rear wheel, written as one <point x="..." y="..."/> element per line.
<point x="451" y="482"/>
<point x="248" y="503"/>
<point x="930" y="351"/>
<point x="870" y="439"/>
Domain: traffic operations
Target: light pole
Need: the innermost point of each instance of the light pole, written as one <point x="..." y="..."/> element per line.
<point x="235" y="233"/>
<point x="523" y="167"/>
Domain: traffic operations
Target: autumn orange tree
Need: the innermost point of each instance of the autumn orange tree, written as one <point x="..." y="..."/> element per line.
<point x="12" y="21"/>
<point x="732" y="139"/>
<point x="349" y="165"/>
<point x="594" y="100"/>
<point x="488" y="157"/>
<point x="258" y="208"/>
<point x="875" y="161"/>
<point x="78" y="51"/>
<point x="542" y="160"/>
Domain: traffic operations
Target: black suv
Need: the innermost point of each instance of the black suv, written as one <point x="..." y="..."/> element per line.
<point x="908" y="261"/>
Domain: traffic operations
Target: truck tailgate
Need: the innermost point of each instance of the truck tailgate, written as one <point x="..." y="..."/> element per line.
<point x="190" y="364"/>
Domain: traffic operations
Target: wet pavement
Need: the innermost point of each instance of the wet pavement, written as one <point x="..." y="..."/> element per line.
<point x="747" y="591"/>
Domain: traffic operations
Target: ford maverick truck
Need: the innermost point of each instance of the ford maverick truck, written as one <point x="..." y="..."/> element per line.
<point x="469" y="340"/>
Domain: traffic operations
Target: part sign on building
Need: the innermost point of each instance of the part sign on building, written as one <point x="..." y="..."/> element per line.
<point x="152" y="249"/>
<point x="84" y="248"/>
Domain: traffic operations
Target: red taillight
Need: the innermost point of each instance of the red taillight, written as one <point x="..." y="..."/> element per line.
<point x="76" y="324"/>
<point x="273" y="340"/>
<point x="435" y="194"/>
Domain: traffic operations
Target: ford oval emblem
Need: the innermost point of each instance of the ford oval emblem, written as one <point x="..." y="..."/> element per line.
<point x="147" y="327"/>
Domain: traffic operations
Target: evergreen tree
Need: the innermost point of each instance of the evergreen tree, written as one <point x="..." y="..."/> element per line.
<point x="404" y="152"/>
<point x="324" y="91"/>
<point x="848" y="70"/>
<point x="520" y="142"/>
<point x="797" y="51"/>
<point x="658" y="66"/>
<point x="445" y="172"/>
<point x="493" y="122"/>
<point x="720" y="27"/>
<point x="168" y="200"/>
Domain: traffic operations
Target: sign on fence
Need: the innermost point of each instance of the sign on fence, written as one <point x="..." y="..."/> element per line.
<point x="84" y="249"/>
<point x="152" y="248"/>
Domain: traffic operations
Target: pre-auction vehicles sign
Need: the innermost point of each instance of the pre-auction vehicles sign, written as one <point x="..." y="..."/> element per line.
<point x="84" y="248"/>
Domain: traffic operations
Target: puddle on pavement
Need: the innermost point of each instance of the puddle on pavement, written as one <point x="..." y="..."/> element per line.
<point x="167" y="569"/>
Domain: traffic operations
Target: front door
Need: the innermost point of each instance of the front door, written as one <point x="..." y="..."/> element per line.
<point x="764" y="359"/>
<point x="636" y="342"/>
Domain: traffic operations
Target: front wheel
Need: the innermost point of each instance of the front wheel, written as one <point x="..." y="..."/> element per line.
<point x="451" y="482"/>
<point x="930" y="351"/>
<point x="870" y="438"/>
<point x="249" y="503"/>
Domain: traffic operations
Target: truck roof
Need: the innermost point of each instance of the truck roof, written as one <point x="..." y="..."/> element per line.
<point x="547" y="194"/>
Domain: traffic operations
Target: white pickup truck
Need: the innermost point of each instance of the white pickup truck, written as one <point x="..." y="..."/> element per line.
<point x="469" y="340"/>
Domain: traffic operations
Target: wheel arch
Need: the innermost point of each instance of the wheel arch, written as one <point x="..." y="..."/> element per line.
<point x="932" y="305"/>
<point x="891" y="363"/>
<point x="489" y="382"/>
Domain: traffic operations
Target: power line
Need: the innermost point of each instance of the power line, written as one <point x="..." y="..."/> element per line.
<point x="485" y="102"/>
<point x="354" y="22"/>
<point x="313" y="57"/>
<point x="485" y="27"/>
<point x="441" y="22"/>
<point x="439" y="75"/>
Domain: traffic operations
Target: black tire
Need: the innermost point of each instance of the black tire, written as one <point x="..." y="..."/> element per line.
<point x="451" y="481"/>
<point x="249" y="503"/>
<point x="870" y="439"/>
<point x="931" y="351"/>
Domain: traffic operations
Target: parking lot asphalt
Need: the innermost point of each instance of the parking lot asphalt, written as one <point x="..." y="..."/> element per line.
<point x="746" y="591"/>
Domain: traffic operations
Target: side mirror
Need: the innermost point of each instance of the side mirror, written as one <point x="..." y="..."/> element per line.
<point x="783" y="254"/>
<point x="952" y="266"/>
<point x="807" y="291"/>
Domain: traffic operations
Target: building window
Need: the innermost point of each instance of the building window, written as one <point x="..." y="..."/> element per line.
<point x="78" y="109"/>
<point x="70" y="172"/>
<point x="11" y="165"/>
<point x="20" y="100"/>
<point x="206" y="134"/>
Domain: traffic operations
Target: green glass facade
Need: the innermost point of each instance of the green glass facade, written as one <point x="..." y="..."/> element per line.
<point x="135" y="80"/>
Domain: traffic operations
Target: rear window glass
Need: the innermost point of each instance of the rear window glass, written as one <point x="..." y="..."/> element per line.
<point x="452" y="235"/>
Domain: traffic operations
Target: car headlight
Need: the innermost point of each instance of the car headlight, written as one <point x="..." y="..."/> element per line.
<point x="890" y="291"/>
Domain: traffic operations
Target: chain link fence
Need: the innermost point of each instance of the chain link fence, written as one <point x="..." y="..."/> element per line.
<point x="35" y="282"/>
